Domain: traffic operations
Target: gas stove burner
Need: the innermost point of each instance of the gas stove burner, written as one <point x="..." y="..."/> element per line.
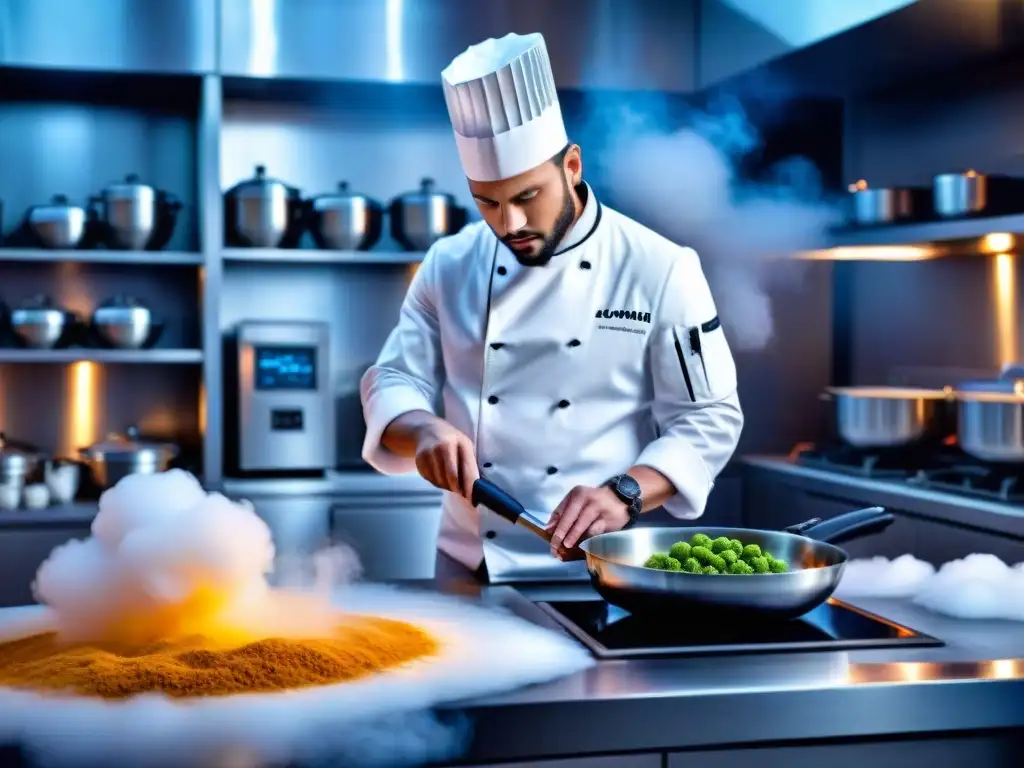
<point x="980" y="481"/>
<point x="851" y="461"/>
<point x="611" y="633"/>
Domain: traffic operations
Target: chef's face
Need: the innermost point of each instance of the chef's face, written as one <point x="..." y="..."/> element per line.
<point x="531" y="212"/>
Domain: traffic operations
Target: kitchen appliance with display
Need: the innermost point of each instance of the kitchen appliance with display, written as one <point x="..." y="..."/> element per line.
<point x="285" y="407"/>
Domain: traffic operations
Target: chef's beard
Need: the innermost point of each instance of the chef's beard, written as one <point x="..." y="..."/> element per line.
<point x="558" y="232"/>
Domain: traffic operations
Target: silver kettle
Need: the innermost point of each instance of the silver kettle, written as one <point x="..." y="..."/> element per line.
<point x="263" y="212"/>
<point x="421" y="218"/>
<point x="345" y="220"/>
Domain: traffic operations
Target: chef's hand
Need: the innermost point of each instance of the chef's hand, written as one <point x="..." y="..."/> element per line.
<point x="446" y="459"/>
<point x="583" y="513"/>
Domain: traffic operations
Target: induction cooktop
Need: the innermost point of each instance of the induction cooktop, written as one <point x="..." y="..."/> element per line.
<point x="612" y="633"/>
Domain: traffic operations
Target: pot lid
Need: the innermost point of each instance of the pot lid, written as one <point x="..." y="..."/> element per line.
<point x="425" y="194"/>
<point x="258" y="185"/>
<point x="128" y="443"/>
<point x="122" y="301"/>
<point x="130" y="186"/>
<point x="12" y="450"/>
<point x="39" y="301"/>
<point x="343" y="193"/>
<point x="57" y="201"/>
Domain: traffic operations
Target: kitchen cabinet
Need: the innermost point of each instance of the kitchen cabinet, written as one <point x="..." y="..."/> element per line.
<point x="610" y="761"/>
<point x="395" y="537"/>
<point x="23" y="548"/>
<point x="935" y="753"/>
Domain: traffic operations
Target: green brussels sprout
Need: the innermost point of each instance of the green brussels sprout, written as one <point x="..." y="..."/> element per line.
<point x="740" y="568"/>
<point x="680" y="551"/>
<point x="700" y="540"/>
<point x="657" y="561"/>
<point x="703" y="555"/>
<point x="721" y="544"/>
<point x="750" y="551"/>
<point x="691" y="565"/>
<point x="759" y="564"/>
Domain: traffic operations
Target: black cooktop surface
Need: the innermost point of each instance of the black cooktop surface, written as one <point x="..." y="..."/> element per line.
<point x="612" y="633"/>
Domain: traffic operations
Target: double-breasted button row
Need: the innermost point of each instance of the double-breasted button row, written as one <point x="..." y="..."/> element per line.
<point x="550" y="470"/>
<point x="569" y="343"/>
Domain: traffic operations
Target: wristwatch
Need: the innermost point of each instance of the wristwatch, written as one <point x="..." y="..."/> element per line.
<point x="628" y="489"/>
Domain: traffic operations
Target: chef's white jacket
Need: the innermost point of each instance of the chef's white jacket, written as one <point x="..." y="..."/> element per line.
<point x="610" y="356"/>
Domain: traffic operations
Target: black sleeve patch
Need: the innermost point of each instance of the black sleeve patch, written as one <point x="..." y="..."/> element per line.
<point x="713" y="324"/>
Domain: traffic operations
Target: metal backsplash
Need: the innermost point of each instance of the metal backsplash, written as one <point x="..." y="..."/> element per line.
<point x="133" y="35"/>
<point x="933" y="322"/>
<point x="616" y="44"/>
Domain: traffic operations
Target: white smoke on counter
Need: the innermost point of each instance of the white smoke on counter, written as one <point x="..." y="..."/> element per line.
<point x="168" y="560"/>
<point x="881" y="577"/>
<point x="165" y="556"/>
<point x="684" y="182"/>
<point x="979" y="586"/>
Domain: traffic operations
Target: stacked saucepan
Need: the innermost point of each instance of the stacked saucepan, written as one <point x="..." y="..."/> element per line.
<point x="128" y="215"/>
<point x="263" y="212"/>
<point x="986" y="417"/>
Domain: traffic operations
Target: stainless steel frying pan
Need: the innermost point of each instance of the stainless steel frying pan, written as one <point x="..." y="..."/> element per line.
<point x="615" y="562"/>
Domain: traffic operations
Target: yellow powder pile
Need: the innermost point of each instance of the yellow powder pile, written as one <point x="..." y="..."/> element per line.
<point x="362" y="646"/>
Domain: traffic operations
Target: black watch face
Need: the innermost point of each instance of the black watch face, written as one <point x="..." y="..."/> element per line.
<point x="628" y="487"/>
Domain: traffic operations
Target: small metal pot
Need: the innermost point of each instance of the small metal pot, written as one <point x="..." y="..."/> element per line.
<point x="122" y="455"/>
<point x="263" y="213"/>
<point x="990" y="413"/>
<point x="18" y="460"/>
<point x="886" y="205"/>
<point x="991" y="425"/>
<point x="41" y="324"/>
<point x="57" y="225"/>
<point x="891" y="417"/>
<point x="421" y="218"/>
<point x="133" y="216"/>
<point x="123" y="322"/>
<point x="344" y="220"/>
<point x="960" y="194"/>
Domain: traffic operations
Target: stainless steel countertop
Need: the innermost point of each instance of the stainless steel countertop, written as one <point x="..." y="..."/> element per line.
<point x="1003" y="518"/>
<point x="976" y="681"/>
<point x="347" y="482"/>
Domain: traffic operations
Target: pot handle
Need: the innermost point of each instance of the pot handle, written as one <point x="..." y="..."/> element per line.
<point x="845" y="527"/>
<point x="21" y="445"/>
<point x="499" y="501"/>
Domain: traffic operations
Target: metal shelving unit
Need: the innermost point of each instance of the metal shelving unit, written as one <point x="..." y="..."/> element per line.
<point x="929" y="231"/>
<point x="113" y="356"/>
<point x="168" y="258"/>
<point x="312" y="256"/>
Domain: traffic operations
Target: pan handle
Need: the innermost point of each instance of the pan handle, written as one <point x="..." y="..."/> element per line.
<point x="503" y="503"/>
<point x="845" y="527"/>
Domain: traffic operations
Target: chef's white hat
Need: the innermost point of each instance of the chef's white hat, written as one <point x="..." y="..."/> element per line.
<point x="503" y="107"/>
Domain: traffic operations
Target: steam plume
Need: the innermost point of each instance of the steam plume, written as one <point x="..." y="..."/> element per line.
<point x="682" y="178"/>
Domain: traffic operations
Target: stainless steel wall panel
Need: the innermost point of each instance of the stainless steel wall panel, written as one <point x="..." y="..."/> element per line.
<point x="613" y="44"/>
<point x="171" y="36"/>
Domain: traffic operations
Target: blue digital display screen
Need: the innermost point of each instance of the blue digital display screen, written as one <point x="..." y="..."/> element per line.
<point x="284" y="368"/>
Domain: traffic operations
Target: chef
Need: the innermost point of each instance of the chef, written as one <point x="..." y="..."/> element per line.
<point x="557" y="348"/>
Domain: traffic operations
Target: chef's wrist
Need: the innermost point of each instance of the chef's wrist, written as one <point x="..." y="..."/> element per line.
<point x="655" y="488"/>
